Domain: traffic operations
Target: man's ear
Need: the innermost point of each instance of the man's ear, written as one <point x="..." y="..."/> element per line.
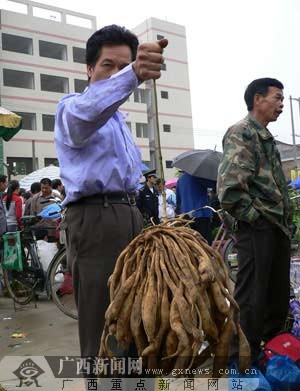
<point x="256" y="100"/>
<point x="89" y="70"/>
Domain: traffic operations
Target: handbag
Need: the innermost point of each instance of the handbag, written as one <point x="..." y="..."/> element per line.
<point x="12" y="257"/>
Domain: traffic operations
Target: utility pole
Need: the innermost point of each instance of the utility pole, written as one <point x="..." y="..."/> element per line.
<point x="34" y="167"/>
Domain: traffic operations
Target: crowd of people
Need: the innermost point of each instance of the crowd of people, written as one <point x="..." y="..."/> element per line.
<point x="17" y="202"/>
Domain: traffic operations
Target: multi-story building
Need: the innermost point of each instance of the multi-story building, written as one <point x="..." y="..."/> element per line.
<point x="43" y="58"/>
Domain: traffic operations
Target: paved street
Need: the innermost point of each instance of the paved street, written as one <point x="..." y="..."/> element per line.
<point x="47" y="330"/>
<point x="30" y="331"/>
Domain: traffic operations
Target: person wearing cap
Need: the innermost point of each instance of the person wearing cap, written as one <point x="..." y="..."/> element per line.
<point x="148" y="199"/>
<point x="100" y="167"/>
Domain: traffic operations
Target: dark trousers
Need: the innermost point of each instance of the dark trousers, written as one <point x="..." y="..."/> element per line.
<point x="203" y="226"/>
<point x="263" y="281"/>
<point x="96" y="235"/>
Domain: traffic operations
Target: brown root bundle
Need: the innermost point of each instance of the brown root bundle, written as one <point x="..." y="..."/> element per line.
<point x="170" y="293"/>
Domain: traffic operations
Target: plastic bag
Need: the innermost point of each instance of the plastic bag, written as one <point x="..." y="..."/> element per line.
<point x="46" y="253"/>
<point x="295" y="311"/>
<point x="282" y="373"/>
<point x="12" y="258"/>
<point x="254" y="380"/>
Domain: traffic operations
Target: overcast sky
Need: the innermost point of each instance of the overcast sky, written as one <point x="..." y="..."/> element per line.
<point x="229" y="43"/>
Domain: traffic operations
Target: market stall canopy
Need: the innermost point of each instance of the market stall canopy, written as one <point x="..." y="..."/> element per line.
<point x="202" y="163"/>
<point x="10" y="124"/>
<point x="51" y="172"/>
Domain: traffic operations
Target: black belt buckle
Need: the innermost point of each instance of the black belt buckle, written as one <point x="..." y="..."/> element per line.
<point x="131" y="200"/>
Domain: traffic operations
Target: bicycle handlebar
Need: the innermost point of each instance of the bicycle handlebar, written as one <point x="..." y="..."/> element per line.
<point x="190" y="214"/>
<point x="223" y="216"/>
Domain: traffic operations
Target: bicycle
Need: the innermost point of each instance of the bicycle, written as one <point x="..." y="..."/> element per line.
<point x="224" y="241"/>
<point x="23" y="286"/>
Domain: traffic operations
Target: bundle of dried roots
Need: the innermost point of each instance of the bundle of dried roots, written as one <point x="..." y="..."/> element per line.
<point x="170" y="295"/>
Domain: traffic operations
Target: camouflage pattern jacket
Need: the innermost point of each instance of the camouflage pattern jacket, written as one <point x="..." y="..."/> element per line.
<point x="250" y="179"/>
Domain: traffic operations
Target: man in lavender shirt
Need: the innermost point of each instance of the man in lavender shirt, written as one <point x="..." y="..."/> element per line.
<point x="100" y="167"/>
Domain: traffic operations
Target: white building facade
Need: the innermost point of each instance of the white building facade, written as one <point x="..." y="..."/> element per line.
<point x="43" y="58"/>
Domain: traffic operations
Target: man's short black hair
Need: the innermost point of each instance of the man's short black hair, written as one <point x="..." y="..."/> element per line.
<point x="35" y="187"/>
<point x="259" y="86"/>
<point x="109" y="35"/>
<point x="46" y="181"/>
<point x="3" y="178"/>
<point x="55" y="183"/>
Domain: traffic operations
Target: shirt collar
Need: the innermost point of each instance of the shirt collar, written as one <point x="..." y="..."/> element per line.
<point x="262" y="131"/>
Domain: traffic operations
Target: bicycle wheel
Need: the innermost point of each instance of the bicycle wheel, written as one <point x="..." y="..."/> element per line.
<point x="230" y="257"/>
<point x="60" y="284"/>
<point x="21" y="284"/>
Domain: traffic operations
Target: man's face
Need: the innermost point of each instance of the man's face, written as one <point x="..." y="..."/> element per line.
<point x="112" y="59"/>
<point x="3" y="186"/>
<point x="46" y="190"/>
<point x="270" y="106"/>
<point x="160" y="187"/>
<point x="152" y="180"/>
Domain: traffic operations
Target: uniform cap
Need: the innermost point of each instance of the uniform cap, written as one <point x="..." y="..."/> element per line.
<point x="149" y="173"/>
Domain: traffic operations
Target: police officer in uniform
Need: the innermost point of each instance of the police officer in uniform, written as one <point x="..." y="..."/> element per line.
<point x="148" y="198"/>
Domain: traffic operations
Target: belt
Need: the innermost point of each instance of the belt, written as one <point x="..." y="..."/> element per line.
<point x="106" y="199"/>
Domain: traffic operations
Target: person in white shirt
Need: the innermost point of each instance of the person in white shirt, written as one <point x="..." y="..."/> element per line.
<point x="170" y="200"/>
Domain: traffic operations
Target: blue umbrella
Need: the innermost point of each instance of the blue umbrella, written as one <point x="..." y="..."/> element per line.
<point x="295" y="184"/>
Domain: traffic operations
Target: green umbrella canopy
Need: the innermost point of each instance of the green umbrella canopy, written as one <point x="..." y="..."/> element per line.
<point x="10" y="124"/>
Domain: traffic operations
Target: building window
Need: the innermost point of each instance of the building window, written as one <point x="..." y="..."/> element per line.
<point x="164" y="94"/>
<point x="79" y="55"/>
<point x="140" y="96"/>
<point x="15" y="7"/>
<point x="54" y="84"/>
<point x="46" y="13"/>
<point x="141" y="130"/>
<point x="28" y="120"/>
<point x="14" y="43"/>
<point x="163" y="67"/>
<point x="20" y="79"/>
<point x="20" y="165"/>
<point x="129" y="125"/>
<point x="166" y="128"/>
<point x="78" y="21"/>
<point x="48" y="122"/>
<point x="159" y="36"/>
<point x="53" y="50"/>
<point x="169" y="163"/>
<point x="48" y="161"/>
<point x="80" y="85"/>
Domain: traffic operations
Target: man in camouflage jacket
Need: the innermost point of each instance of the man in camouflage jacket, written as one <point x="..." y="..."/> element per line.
<point x="252" y="188"/>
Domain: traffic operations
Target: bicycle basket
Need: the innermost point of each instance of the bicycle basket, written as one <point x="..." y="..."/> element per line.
<point x="12" y="259"/>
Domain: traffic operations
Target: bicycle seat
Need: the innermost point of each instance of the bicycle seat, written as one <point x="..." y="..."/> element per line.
<point x="27" y="221"/>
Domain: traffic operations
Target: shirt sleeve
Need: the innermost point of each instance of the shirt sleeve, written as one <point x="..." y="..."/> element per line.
<point x="80" y="115"/>
<point x="236" y="171"/>
<point x="33" y="210"/>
